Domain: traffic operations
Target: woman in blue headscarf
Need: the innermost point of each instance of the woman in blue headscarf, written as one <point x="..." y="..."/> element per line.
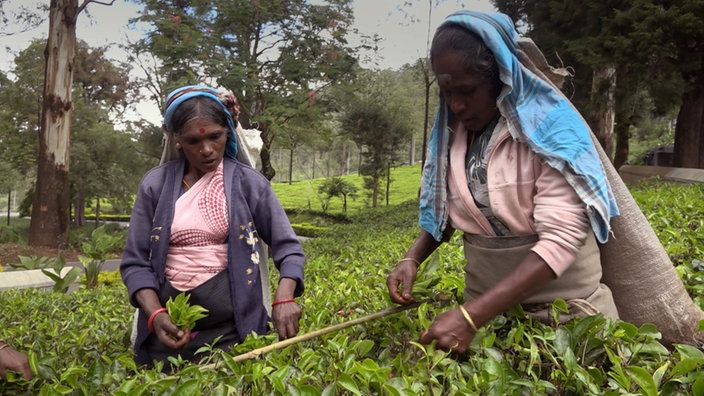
<point x="196" y="227"/>
<point x="512" y="165"/>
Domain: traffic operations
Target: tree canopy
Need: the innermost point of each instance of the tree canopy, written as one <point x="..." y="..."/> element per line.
<point x="274" y="55"/>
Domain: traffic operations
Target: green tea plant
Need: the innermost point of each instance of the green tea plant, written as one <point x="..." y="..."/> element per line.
<point x="78" y="343"/>
<point x="183" y="314"/>
<point x="101" y="247"/>
<point x="62" y="283"/>
<point x="427" y="278"/>
<point x="32" y="263"/>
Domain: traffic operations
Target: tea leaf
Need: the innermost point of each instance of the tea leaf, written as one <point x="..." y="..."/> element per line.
<point x="182" y="313"/>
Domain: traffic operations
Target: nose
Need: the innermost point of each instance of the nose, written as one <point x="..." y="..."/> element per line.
<point x="457" y="105"/>
<point x="206" y="149"/>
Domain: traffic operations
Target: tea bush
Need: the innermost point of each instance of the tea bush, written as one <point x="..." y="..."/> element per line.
<point x="79" y="343"/>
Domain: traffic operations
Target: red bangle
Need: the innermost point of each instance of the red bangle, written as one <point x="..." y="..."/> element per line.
<point x="150" y="322"/>
<point x="275" y="303"/>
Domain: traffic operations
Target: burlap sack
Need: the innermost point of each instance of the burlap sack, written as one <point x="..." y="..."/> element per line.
<point x="639" y="272"/>
<point x="635" y="265"/>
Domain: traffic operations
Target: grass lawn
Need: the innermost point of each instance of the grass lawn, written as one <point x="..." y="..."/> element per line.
<point x="303" y="195"/>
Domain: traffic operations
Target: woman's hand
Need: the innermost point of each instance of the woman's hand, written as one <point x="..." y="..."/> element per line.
<point x="451" y="331"/>
<point x="284" y="311"/>
<point x="400" y="281"/>
<point x="11" y="359"/>
<point x="167" y="332"/>
<point x="286" y="317"/>
<point x="164" y="329"/>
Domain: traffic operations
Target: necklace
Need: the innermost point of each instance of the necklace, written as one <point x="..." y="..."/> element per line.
<point x="183" y="181"/>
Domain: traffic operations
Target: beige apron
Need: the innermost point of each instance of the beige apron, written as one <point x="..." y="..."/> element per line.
<point x="491" y="258"/>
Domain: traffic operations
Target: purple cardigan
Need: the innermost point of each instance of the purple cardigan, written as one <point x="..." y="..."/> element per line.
<point x="253" y="207"/>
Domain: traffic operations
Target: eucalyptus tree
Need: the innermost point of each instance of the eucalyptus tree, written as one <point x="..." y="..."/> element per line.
<point x="50" y="220"/>
<point x="273" y="54"/>
<point x="104" y="162"/>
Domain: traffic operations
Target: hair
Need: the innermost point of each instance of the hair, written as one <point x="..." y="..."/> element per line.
<point x="197" y="107"/>
<point x="477" y="56"/>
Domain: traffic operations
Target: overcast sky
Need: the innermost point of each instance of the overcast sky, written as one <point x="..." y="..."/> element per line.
<point x="404" y="30"/>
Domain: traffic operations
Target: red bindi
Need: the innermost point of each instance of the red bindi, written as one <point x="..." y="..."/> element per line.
<point x="201" y="130"/>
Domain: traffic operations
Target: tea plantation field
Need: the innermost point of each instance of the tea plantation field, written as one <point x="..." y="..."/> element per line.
<point x="78" y="343"/>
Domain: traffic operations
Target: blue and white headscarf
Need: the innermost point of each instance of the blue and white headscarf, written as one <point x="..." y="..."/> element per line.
<point x="536" y="114"/>
<point x="180" y="95"/>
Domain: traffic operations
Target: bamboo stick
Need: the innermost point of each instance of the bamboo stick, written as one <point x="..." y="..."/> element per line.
<point x="317" y="333"/>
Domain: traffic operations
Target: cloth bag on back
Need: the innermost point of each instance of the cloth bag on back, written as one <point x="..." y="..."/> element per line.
<point x="635" y="265"/>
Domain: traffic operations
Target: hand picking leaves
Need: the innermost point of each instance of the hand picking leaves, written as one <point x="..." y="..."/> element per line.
<point x="182" y="313"/>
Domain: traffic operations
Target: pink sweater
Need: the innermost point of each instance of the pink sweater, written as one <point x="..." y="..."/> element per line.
<point x="526" y="194"/>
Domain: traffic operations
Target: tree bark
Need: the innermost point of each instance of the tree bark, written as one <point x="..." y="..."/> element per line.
<point x="265" y="155"/>
<point x="9" y="197"/>
<point x="601" y="118"/>
<point x="313" y="173"/>
<point x="79" y="209"/>
<point x="290" y="166"/>
<point x="689" y="132"/>
<point x="50" y="219"/>
<point x="624" y="115"/>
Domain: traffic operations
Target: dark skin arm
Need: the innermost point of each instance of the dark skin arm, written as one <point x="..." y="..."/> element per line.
<point x="452" y="331"/>
<point x="11" y="359"/>
<point x="286" y="315"/>
<point x="401" y="278"/>
<point x="167" y="332"/>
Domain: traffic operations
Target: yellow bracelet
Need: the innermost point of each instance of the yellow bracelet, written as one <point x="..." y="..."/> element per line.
<point x="469" y="318"/>
<point x="410" y="259"/>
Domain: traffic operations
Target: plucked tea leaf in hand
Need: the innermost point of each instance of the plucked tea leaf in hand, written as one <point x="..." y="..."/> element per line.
<point x="182" y="313"/>
<point x="426" y="278"/>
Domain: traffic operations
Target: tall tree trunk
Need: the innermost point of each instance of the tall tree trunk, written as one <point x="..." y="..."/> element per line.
<point x="97" y="212"/>
<point x="267" y="168"/>
<point x="327" y="164"/>
<point x="9" y="197"/>
<point x="601" y="118"/>
<point x="624" y="114"/>
<point x="290" y="166"/>
<point x="79" y="209"/>
<point x="388" y="184"/>
<point x="50" y="219"/>
<point x="689" y="132"/>
<point x="313" y="176"/>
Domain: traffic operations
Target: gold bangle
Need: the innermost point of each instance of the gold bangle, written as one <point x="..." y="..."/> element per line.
<point x="469" y="318"/>
<point x="410" y="259"/>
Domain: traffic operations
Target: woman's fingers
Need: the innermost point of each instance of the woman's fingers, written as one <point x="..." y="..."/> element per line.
<point x="286" y="318"/>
